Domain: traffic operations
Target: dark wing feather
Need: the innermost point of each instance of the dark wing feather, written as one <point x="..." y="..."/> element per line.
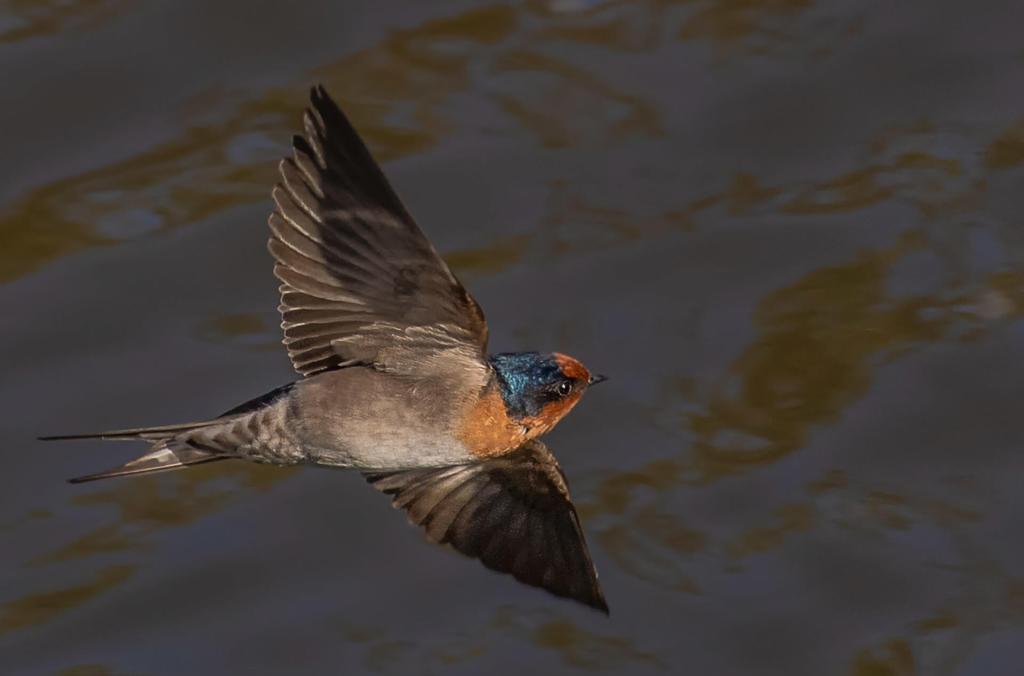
<point x="359" y="280"/>
<point x="513" y="513"/>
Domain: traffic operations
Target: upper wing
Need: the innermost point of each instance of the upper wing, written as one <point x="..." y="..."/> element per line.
<point x="360" y="281"/>
<point x="512" y="512"/>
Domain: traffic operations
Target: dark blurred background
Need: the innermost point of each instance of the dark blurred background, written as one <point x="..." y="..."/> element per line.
<point x="790" y="231"/>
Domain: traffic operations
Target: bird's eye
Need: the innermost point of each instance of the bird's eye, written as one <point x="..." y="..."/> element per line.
<point x="564" y="388"/>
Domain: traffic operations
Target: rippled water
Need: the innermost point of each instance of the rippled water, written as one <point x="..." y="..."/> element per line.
<point x="791" y="231"/>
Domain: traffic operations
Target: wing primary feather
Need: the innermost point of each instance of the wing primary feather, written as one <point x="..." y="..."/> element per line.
<point x="344" y="243"/>
<point x="513" y="513"/>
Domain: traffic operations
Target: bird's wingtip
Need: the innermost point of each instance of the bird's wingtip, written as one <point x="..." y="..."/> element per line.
<point x="318" y="93"/>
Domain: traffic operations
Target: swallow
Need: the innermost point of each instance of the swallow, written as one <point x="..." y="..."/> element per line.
<point x="395" y="377"/>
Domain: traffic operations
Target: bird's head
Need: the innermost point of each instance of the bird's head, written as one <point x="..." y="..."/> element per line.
<point x="539" y="389"/>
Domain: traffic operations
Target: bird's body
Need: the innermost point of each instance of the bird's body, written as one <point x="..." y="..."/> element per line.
<point x="360" y="417"/>
<point x="396" y="380"/>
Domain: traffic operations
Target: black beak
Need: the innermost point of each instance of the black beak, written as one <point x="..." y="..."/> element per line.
<point x="596" y="378"/>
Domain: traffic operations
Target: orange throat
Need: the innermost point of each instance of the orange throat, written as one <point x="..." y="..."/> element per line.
<point x="486" y="429"/>
<point x="549" y="416"/>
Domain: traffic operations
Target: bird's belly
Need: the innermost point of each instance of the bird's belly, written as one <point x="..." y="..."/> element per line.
<point x="363" y="421"/>
<point x="381" y="452"/>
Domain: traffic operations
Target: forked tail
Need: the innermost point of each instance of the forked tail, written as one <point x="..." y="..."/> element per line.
<point x="147" y="433"/>
<point x="175" y="446"/>
<point x="168" y="452"/>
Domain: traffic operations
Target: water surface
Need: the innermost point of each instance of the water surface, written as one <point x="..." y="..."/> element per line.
<point x="789" y="230"/>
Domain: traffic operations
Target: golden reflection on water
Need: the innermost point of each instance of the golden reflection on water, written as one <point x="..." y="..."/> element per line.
<point x="502" y="254"/>
<point x="786" y="520"/>
<point x="41" y="607"/>
<point x="247" y="330"/>
<point x="568" y="105"/>
<point x="801" y="28"/>
<point x="652" y="545"/>
<point x="143" y="507"/>
<point x="26" y="19"/>
<point x="730" y="21"/>
<point x="731" y="27"/>
<point x="983" y="599"/>
<point x="574" y="646"/>
<point x="872" y="184"/>
<point x="89" y="670"/>
<point x="841" y="320"/>
<point x="895" y="658"/>
<point x="818" y="340"/>
<point x="587" y="650"/>
<point x="607" y="26"/>
<point x="178" y="182"/>
<point x="395" y="92"/>
<point x="1007" y="149"/>
<point x="818" y="343"/>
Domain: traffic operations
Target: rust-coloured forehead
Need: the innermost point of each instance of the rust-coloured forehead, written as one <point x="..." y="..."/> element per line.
<point x="571" y="368"/>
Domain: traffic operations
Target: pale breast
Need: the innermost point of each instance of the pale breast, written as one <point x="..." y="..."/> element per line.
<point x="360" y="417"/>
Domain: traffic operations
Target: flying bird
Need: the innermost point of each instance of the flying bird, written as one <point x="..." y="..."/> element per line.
<point x="396" y="380"/>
